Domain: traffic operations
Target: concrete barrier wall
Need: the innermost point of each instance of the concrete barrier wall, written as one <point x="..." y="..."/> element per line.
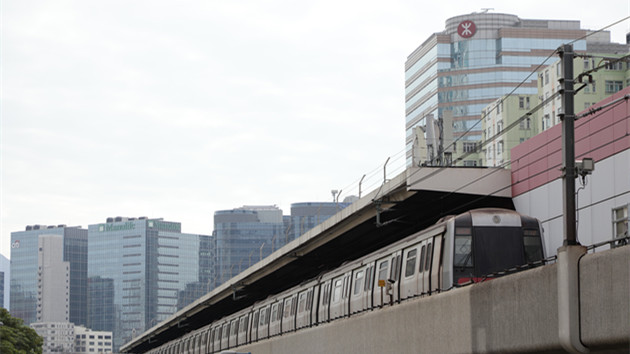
<point x="605" y="299"/>
<point x="516" y="313"/>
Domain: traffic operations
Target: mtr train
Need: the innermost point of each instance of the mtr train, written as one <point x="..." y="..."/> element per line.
<point x="456" y="250"/>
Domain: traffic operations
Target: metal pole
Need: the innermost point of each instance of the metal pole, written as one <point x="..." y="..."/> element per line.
<point x="360" y="182"/>
<point x="568" y="145"/>
<point x="570" y="253"/>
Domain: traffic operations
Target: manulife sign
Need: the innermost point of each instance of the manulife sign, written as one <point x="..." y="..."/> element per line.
<point x="116" y="227"/>
<point x="165" y="226"/>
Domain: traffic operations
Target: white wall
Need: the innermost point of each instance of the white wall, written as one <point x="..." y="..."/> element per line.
<point x="607" y="188"/>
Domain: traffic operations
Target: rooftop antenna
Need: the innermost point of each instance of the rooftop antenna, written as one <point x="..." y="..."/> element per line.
<point x="484" y="10"/>
<point x="334" y="194"/>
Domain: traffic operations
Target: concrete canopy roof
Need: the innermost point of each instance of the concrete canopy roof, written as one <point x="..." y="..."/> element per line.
<point x="407" y="203"/>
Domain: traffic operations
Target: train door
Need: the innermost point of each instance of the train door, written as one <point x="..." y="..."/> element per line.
<point x="208" y="348"/>
<point x="409" y="279"/>
<point x="225" y="335"/>
<point x="233" y="333"/>
<point x="194" y="345"/>
<point x="380" y="294"/>
<point x="276" y="319"/>
<point x="303" y="317"/>
<point x="336" y="297"/>
<point x="263" y="323"/>
<point x="324" y="302"/>
<point x="253" y="326"/>
<point x="243" y="323"/>
<point x="288" y="315"/>
<point x="426" y="286"/>
<point x="394" y="275"/>
<point x="436" y="268"/>
<point x="368" y="285"/>
<point x="216" y="343"/>
<point x="357" y="293"/>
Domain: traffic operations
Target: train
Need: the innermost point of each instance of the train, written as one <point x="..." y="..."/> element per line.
<point x="457" y="250"/>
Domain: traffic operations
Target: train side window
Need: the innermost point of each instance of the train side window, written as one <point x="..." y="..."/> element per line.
<point x="274" y="313"/>
<point x="533" y="246"/>
<point x="393" y="269"/>
<point x="337" y="290"/>
<point x="422" y="254"/>
<point x="302" y="302"/>
<point x="255" y="319"/>
<point x="463" y="251"/>
<point x="233" y="327"/>
<point x="309" y="300"/>
<point x="287" y="307"/>
<point x="410" y="267"/>
<point x="326" y="294"/>
<point x="241" y="325"/>
<point x="344" y="292"/>
<point x="382" y="271"/>
<point x="225" y="331"/>
<point x="358" y="282"/>
<point x="427" y="265"/>
<point x="368" y="278"/>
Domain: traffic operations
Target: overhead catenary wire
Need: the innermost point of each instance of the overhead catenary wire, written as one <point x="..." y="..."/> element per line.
<point x="511" y="126"/>
<point x="518" y="121"/>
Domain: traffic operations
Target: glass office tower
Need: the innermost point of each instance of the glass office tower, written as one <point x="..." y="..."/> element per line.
<point x="244" y="236"/>
<point x="475" y="60"/>
<point x="305" y="216"/>
<point x="24" y="270"/>
<point x="5" y="278"/>
<point x="138" y="270"/>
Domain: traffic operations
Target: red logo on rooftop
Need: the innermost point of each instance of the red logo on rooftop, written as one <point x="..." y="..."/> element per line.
<point x="466" y="29"/>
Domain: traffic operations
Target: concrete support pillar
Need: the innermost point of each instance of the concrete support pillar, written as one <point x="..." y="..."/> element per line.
<point x="569" y="298"/>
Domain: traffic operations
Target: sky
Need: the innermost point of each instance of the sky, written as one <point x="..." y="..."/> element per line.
<point x="179" y="109"/>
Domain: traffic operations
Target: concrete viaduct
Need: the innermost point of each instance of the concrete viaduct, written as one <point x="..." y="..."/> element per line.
<point x="517" y="313"/>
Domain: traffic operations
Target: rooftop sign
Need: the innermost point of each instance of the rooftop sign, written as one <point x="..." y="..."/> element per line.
<point x="466" y="29"/>
<point x="116" y="227"/>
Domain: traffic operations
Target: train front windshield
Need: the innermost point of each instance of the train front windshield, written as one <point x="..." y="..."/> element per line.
<point x="497" y="249"/>
<point x="484" y="250"/>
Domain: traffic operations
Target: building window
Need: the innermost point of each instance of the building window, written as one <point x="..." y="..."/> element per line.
<point x="613" y="86"/>
<point x="586" y="64"/>
<point x="546" y="77"/>
<point x="521" y="103"/>
<point x="470" y="147"/>
<point x="620" y="223"/>
<point x="614" y="66"/>
<point x="525" y="124"/>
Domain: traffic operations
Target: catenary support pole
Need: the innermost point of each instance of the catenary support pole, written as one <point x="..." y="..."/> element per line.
<point x="570" y="253"/>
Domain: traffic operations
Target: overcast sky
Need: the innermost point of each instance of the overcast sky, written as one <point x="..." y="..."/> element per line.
<point x="176" y="109"/>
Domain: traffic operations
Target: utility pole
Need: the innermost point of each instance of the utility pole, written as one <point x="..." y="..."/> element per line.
<point x="568" y="146"/>
<point x="571" y="251"/>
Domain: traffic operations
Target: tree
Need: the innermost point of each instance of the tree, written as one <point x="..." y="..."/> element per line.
<point x="16" y="338"/>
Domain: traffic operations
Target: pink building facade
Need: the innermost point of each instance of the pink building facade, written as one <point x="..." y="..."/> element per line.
<point x="602" y="198"/>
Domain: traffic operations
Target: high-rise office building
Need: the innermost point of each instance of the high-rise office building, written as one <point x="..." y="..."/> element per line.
<point x="138" y="270"/>
<point x="25" y="256"/>
<point x="5" y="284"/>
<point x="476" y="59"/>
<point x="245" y="236"/>
<point x="305" y="216"/>
<point x="53" y="280"/>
